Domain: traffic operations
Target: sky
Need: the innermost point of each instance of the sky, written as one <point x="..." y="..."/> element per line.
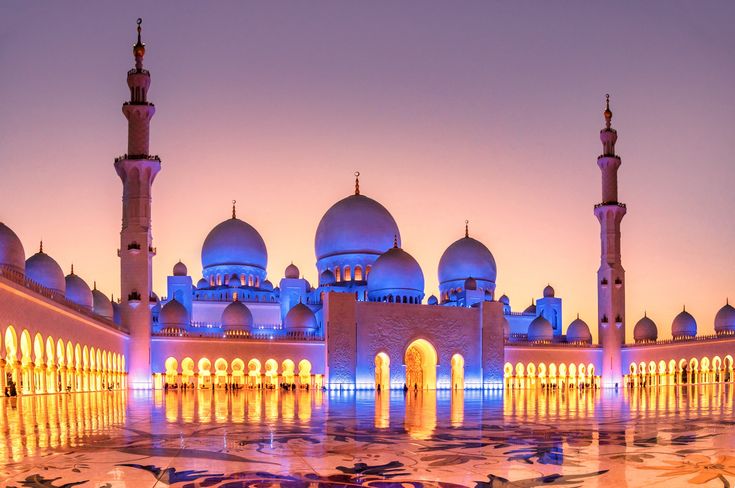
<point x="485" y="111"/>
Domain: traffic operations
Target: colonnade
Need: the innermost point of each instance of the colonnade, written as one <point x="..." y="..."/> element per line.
<point x="37" y="365"/>
<point x="237" y="374"/>
<point x="693" y="371"/>
<point x="553" y="375"/>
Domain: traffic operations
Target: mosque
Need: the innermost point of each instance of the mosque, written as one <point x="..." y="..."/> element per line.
<point x="367" y="323"/>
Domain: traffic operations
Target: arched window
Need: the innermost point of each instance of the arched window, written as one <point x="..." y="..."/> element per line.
<point x="347" y="275"/>
<point x="367" y="271"/>
<point x="242" y="279"/>
<point x="219" y="280"/>
<point x="250" y="280"/>
<point x="358" y="273"/>
<point x="337" y="274"/>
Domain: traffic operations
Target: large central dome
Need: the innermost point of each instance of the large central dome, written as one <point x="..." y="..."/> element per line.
<point x="355" y="225"/>
<point x="234" y="243"/>
<point x="467" y="258"/>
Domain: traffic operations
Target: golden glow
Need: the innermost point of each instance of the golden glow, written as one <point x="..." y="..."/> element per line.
<point x="421" y="361"/>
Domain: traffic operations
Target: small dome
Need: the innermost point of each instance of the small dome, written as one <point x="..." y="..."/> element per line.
<point x="645" y="330"/>
<point x="234" y="242"/>
<point x="549" y="292"/>
<point x="180" y="269"/>
<point x="504" y="299"/>
<point x="202" y="284"/>
<point x="531" y="308"/>
<point x="725" y="320"/>
<point x="78" y="291"/>
<point x="292" y="272"/>
<point x="578" y="331"/>
<point x="540" y="330"/>
<point x="267" y="285"/>
<point x="300" y="319"/>
<point x="326" y="278"/>
<point x="355" y="225"/>
<point x="237" y="316"/>
<point x="12" y="254"/>
<point x="174" y="314"/>
<point x="45" y="271"/>
<point x="101" y="304"/>
<point x="467" y="257"/>
<point x="684" y="325"/>
<point x="395" y="272"/>
<point x="234" y="281"/>
<point x="470" y="284"/>
<point x="432" y="300"/>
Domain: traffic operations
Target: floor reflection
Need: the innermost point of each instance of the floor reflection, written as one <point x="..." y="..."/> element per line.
<point x="577" y="437"/>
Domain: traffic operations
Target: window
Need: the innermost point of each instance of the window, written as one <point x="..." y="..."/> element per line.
<point x="358" y="273"/>
<point x="347" y="275"/>
<point x="337" y="274"/>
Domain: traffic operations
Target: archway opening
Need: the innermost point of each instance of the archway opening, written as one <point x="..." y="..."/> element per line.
<point x="172" y="371"/>
<point x="457" y="372"/>
<point x="305" y="373"/>
<point x="382" y="371"/>
<point x="421" y="361"/>
<point x="254" y="373"/>
<point x="271" y="373"/>
<point x="205" y="373"/>
<point x="287" y="371"/>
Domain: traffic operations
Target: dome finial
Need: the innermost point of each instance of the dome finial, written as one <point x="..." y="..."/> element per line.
<point x="357" y="182"/>
<point x="466" y="228"/>
<point x="578" y="315"/>
<point x="94" y="285"/>
<point x="139" y="48"/>
<point x="40" y="248"/>
<point x="72" y="268"/>
<point x="395" y="241"/>
<point x="233" y="209"/>
<point x="608" y="113"/>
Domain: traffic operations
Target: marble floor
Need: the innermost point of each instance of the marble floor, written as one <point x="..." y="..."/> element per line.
<point x="656" y="438"/>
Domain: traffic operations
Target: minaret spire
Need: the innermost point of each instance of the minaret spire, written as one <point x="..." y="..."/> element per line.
<point x="610" y="275"/>
<point x="357" y="182"/>
<point x="466" y="228"/>
<point x="234" y="215"/>
<point x="139" y="49"/>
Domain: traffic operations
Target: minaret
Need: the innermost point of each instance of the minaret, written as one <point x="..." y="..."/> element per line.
<point x="611" y="275"/>
<point x="137" y="170"/>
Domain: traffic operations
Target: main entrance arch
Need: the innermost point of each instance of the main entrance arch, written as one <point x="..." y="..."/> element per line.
<point x="420" y="360"/>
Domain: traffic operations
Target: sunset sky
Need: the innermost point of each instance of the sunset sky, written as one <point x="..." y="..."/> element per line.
<point x="473" y="110"/>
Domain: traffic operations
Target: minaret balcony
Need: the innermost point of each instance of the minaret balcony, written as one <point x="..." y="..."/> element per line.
<point x="151" y="250"/>
<point x="610" y="204"/>
<point x="150" y="157"/>
<point x="134" y="248"/>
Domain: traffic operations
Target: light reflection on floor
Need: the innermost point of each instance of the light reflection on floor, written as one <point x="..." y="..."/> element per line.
<point x="664" y="437"/>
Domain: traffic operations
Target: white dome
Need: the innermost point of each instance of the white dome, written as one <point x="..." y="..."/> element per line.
<point x="645" y="330"/>
<point x="45" y="271"/>
<point x="504" y="299"/>
<point x="684" y="325"/>
<point x="180" y="269"/>
<point x="725" y="319"/>
<point x="174" y="315"/>
<point x="237" y="316"/>
<point x="467" y="258"/>
<point x="355" y="225"/>
<point x="540" y="330"/>
<point x="78" y="291"/>
<point x="202" y="284"/>
<point x="300" y="318"/>
<point x="234" y="281"/>
<point x="12" y="254"/>
<point x="267" y="285"/>
<point x="326" y="278"/>
<point x="101" y="304"/>
<point x="579" y="331"/>
<point x="396" y="272"/>
<point x="292" y="272"/>
<point x="432" y="300"/>
<point x="531" y="308"/>
<point x="232" y="243"/>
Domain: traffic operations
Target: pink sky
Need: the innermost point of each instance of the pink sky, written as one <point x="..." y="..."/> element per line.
<point x="481" y="111"/>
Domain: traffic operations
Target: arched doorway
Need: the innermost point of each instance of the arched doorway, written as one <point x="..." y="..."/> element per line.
<point x="457" y="372"/>
<point x="172" y="371"/>
<point x="421" y="361"/>
<point x="382" y="371"/>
